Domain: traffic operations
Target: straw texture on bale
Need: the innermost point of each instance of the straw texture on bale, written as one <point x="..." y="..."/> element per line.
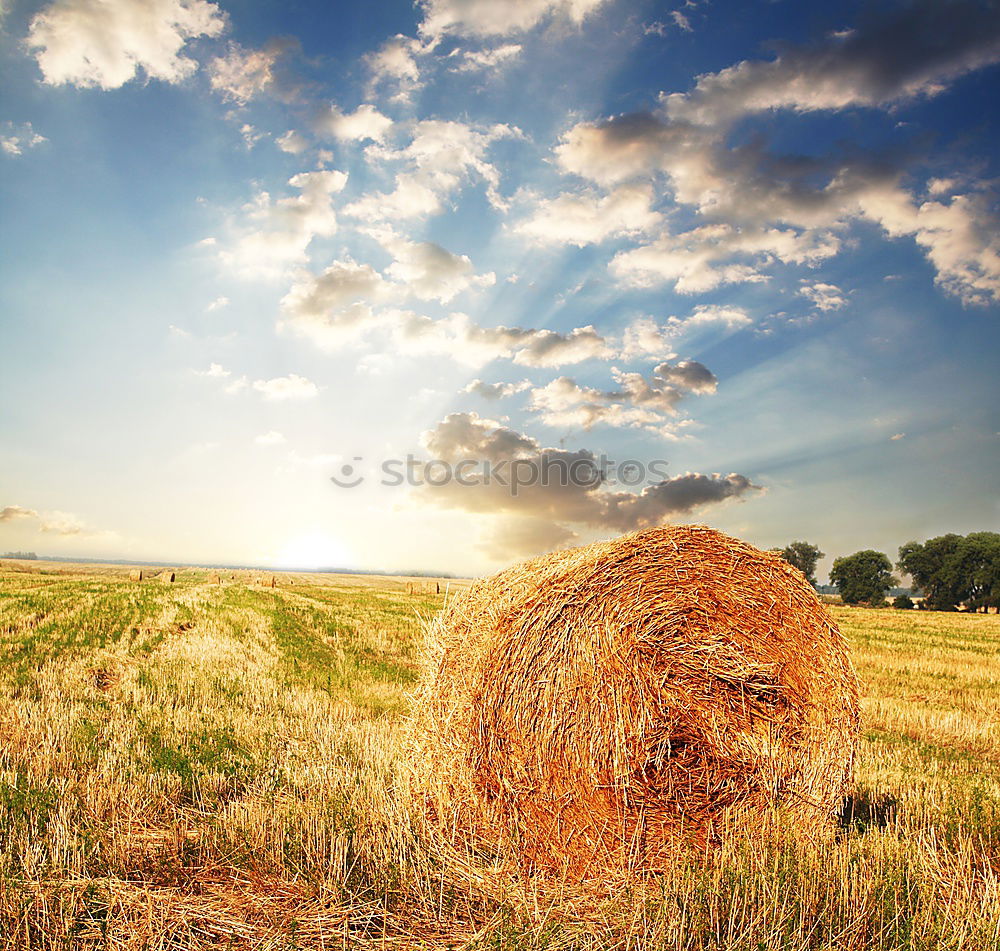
<point x="168" y="576"/>
<point x="602" y="705"/>
<point x="135" y="575"/>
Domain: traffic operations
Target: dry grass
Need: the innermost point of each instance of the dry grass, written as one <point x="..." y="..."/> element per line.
<point x="204" y="765"/>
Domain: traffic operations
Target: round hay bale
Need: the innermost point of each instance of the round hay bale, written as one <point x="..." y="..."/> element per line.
<point x="135" y="574"/>
<point x="605" y="704"/>
<point x="168" y="576"/>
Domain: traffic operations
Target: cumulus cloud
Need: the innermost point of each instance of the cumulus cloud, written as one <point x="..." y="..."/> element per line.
<point x="645" y="337"/>
<point x="960" y="236"/>
<point x="64" y="524"/>
<point x="61" y="523"/>
<point x="494" y="58"/>
<point x="365" y="123"/>
<point x="483" y="18"/>
<point x="278" y="232"/>
<point x="496" y="391"/>
<point x="395" y="64"/>
<point x="14" y="140"/>
<point x="292" y="142"/>
<point x="563" y="403"/>
<point x="442" y="156"/>
<point x="219" y="303"/>
<point x="291" y="387"/>
<point x="270" y="438"/>
<point x="428" y="271"/>
<point x="823" y="296"/>
<point x="548" y="348"/>
<point x="687" y="375"/>
<point x="706" y="257"/>
<point x="11" y="513"/>
<point x="585" y="217"/>
<point x="558" y="490"/>
<point x="761" y="207"/>
<point x="913" y="50"/>
<point x="335" y="306"/>
<point x="344" y="305"/>
<point x="463" y="340"/>
<point x="638" y="402"/>
<point x="105" y="43"/>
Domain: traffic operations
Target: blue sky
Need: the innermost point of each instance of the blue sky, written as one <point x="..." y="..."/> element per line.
<point x="245" y="245"/>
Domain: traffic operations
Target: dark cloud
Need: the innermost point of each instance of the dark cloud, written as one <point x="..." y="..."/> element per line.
<point x="11" y="512"/>
<point x="549" y="492"/>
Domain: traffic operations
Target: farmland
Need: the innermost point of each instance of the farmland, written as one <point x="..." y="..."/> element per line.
<point x="204" y="764"/>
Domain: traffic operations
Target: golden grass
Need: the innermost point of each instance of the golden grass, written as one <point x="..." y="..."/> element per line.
<point x="203" y="765"/>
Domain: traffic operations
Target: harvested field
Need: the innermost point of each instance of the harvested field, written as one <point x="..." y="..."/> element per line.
<point x="199" y="765"/>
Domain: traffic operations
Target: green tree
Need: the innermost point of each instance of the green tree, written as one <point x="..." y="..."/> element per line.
<point x="953" y="570"/>
<point x="928" y="565"/>
<point x="803" y="556"/>
<point x="863" y="578"/>
<point x="976" y="570"/>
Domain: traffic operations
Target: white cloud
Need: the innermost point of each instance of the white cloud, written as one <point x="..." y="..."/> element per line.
<point x="15" y="139"/>
<point x="218" y="304"/>
<point x="365" y="123"/>
<point x="638" y="402"/>
<point x="428" y="271"/>
<point x="395" y="64"/>
<point x="335" y="306"/>
<point x="680" y="20"/>
<point x="291" y="387"/>
<point x="215" y="371"/>
<point x="62" y="523"/>
<point x="548" y="348"/>
<point x="292" y="142"/>
<point x="563" y="403"/>
<point x="711" y="255"/>
<point x="104" y="43"/>
<point x="585" y="217"/>
<point x="960" y="236"/>
<point x="243" y="74"/>
<point x="441" y="157"/>
<point x="727" y="316"/>
<point x="494" y="58"/>
<point x="278" y="232"/>
<point x="645" y="337"/>
<point x="491" y="18"/>
<point x="496" y="391"/>
<point x="824" y="297"/>
<point x="270" y="438"/>
<point x="763" y="208"/>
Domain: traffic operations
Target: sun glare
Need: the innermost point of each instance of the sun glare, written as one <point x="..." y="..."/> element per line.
<point x="313" y="549"/>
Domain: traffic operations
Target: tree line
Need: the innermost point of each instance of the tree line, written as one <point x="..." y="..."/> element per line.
<point x="950" y="572"/>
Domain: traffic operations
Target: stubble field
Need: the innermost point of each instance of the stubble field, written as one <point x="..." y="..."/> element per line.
<point x="201" y="764"/>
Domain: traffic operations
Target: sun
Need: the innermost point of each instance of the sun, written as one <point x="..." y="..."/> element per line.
<point x="313" y="549"/>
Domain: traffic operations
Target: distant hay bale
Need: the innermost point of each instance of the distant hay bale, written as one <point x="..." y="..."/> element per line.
<point x="597" y="707"/>
<point x="167" y="576"/>
<point x="135" y="575"/>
